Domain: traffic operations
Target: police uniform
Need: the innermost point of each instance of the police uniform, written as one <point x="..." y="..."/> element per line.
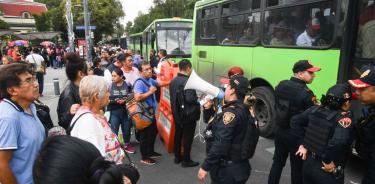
<point x="224" y="136"/>
<point x="296" y="97"/>
<point x="328" y="136"/>
<point x="366" y="126"/>
<point x="367" y="138"/>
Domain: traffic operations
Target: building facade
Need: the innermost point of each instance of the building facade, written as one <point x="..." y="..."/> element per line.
<point x="18" y="14"/>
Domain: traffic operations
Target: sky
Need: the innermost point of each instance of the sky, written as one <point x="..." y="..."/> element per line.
<point x="132" y="7"/>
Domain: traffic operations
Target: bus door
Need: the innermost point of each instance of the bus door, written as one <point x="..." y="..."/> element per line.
<point x="358" y="51"/>
<point x="206" y="39"/>
<point x="360" y="39"/>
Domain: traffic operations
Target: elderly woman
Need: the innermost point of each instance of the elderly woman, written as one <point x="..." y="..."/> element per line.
<point x="90" y="124"/>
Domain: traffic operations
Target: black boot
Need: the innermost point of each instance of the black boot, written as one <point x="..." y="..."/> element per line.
<point x="189" y="163"/>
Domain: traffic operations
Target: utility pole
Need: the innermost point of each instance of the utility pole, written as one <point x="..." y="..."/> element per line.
<point x="69" y="19"/>
<point x="87" y="30"/>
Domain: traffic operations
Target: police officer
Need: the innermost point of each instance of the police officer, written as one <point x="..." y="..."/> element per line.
<point x="292" y="97"/>
<point x="365" y="90"/>
<point x="211" y="111"/>
<point x="325" y="134"/>
<point x="224" y="135"/>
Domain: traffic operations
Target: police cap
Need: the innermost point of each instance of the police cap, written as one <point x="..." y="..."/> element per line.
<point x="240" y="83"/>
<point x="367" y="79"/>
<point x="234" y="70"/>
<point x="304" y="65"/>
<point x="341" y="91"/>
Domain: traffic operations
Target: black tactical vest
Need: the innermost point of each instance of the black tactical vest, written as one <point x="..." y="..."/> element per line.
<point x="287" y="102"/>
<point x="320" y="129"/>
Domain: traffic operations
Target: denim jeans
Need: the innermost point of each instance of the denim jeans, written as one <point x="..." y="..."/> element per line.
<point x="120" y="117"/>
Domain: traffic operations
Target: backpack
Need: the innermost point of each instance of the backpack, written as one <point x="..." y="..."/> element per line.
<point x="187" y="111"/>
<point x="250" y="139"/>
<point x="70" y="128"/>
<point x="43" y="113"/>
<point x="140" y="112"/>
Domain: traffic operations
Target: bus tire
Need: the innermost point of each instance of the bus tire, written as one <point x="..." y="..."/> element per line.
<point x="264" y="110"/>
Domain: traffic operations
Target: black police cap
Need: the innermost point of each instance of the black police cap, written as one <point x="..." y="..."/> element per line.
<point x="240" y="83"/>
<point x="304" y="65"/>
<point x="342" y="91"/>
<point x="367" y="79"/>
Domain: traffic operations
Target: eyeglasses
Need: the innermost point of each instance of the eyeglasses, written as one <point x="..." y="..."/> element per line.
<point x="30" y="80"/>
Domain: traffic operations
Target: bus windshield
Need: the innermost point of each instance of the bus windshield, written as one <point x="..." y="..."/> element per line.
<point x="175" y="41"/>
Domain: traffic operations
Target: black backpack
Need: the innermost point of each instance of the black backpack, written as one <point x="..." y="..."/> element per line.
<point x="250" y="139"/>
<point x="43" y="113"/>
<point x="187" y="111"/>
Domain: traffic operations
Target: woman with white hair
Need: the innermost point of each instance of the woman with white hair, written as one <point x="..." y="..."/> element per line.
<point x="90" y="124"/>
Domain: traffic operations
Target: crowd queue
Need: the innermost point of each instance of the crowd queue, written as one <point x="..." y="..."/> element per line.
<point x="317" y="136"/>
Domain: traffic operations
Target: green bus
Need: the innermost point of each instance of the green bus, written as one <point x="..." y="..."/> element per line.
<point x="266" y="37"/>
<point x="134" y="41"/>
<point x="172" y="34"/>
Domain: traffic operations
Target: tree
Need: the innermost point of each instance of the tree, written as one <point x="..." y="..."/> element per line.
<point x="140" y="23"/>
<point x="50" y="3"/>
<point x="42" y="22"/>
<point x="3" y="25"/>
<point x="104" y="14"/>
<point x="128" y="27"/>
<point x="163" y="9"/>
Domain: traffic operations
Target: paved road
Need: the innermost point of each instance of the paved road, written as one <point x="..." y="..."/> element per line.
<point x="166" y="172"/>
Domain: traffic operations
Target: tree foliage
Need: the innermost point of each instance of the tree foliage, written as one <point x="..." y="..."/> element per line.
<point x="3" y="25"/>
<point x="163" y="9"/>
<point x="128" y="26"/>
<point x="42" y="21"/>
<point x="104" y="14"/>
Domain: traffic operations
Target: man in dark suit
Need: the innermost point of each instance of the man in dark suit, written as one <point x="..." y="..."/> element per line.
<point x="186" y="111"/>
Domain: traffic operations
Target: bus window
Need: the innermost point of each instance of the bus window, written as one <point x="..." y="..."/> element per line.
<point x="236" y="7"/>
<point x="366" y="30"/>
<point x="209" y="12"/>
<point x="208" y="28"/>
<point x="251" y="30"/>
<point x="175" y="42"/>
<point x="231" y="29"/>
<point x="240" y="29"/>
<point x="256" y="4"/>
<point x="310" y="25"/>
<point x="282" y="2"/>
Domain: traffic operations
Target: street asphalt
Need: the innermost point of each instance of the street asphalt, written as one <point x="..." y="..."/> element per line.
<point x="166" y="172"/>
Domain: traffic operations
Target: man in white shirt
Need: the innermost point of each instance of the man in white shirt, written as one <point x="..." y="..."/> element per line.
<point x="40" y="67"/>
<point x="163" y="57"/>
<point x="308" y="37"/>
<point x="131" y="73"/>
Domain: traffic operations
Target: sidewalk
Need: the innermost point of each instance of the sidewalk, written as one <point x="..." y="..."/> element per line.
<point x="49" y="98"/>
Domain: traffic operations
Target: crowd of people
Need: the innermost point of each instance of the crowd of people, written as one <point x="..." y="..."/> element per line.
<point x="87" y="148"/>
